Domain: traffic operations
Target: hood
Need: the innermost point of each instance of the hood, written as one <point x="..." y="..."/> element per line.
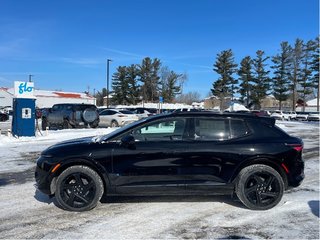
<point x="71" y="147"/>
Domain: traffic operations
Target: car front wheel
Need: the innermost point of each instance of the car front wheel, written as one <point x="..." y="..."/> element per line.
<point x="78" y="188"/>
<point x="259" y="187"/>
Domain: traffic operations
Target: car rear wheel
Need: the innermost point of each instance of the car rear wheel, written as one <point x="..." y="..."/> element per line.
<point x="66" y="124"/>
<point x="259" y="187"/>
<point x="114" y="123"/>
<point x="78" y="188"/>
<point x="44" y="124"/>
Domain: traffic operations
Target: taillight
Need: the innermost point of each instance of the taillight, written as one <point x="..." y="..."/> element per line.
<point x="297" y="147"/>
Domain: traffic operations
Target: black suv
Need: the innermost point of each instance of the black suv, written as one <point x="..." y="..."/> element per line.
<point x="69" y="115"/>
<point x="187" y="153"/>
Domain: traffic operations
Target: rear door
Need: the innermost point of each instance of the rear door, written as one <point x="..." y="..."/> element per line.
<point x="218" y="147"/>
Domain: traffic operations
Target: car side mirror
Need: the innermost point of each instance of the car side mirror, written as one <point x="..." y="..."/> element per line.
<point x="128" y="142"/>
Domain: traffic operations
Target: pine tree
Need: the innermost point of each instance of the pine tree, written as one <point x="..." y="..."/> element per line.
<point x="245" y="78"/>
<point x="306" y="81"/>
<point x="297" y="55"/>
<point x="261" y="79"/>
<point x="132" y="73"/>
<point x="225" y="85"/>
<point x="120" y="86"/>
<point x="149" y="76"/>
<point x="315" y="68"/>
<point x="282" y="76"/>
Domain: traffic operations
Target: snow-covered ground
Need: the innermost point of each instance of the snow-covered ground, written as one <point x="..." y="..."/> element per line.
<point x="26" y="213"/>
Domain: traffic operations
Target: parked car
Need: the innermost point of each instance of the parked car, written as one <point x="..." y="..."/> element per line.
<point x="261" y="113"/>
<point x="143" y="112"/>
<point x="315" y="116"/>
<point x="68" y="115"/>
<point x="302" y="116"/>
<point x="189" y="153"/>
<point x="289" y="115"/>
<point x="278" y="115"/>
<point x="187" y="110"/>
<point x="116" y="118"/>
<point x="4" y="117"/>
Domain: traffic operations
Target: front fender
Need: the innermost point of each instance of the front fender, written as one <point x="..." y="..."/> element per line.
<point x="96" y="166"/>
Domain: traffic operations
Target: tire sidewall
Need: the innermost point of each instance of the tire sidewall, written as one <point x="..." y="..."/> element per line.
<point x="243" y="177"/>
<point x="114" y="123"/>
<point x="86" y="171"/>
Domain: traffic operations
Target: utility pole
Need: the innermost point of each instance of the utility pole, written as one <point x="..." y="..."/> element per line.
<point x="108" y="61"/>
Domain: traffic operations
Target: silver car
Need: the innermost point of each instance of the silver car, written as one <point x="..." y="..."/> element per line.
<point x="116" y="118"/>
<point x="315" y="116"/>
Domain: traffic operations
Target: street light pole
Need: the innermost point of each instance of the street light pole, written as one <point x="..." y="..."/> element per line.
<point x="108" y="61"/>
<point x="30" y="76"/>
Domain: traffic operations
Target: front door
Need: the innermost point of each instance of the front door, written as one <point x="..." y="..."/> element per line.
<point x="155" y="162"/>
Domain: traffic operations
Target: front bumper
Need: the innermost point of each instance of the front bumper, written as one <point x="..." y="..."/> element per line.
<point x="42" y="181"/>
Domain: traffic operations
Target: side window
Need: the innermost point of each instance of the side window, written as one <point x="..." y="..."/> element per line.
<point x="161" y="131"/>
<point x="68" y="107"/>
<point x="212" y="129"/>
<point x="238" y="128"/>
<point x="106" y="113"/>
<point x="55" y="108"/>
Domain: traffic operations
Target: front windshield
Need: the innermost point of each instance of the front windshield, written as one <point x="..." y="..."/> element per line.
<point x="119" y="130"/>
<point x="123" y="129"/>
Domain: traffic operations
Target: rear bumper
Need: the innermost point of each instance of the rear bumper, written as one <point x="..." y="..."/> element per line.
<point x="296" y="177"/>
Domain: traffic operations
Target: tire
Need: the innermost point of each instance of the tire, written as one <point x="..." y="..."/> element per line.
<point x="78" y="188"/>
<point x="66" y="124"/>
<point x="95" y="124"/>
<point x="114" y="123"/>
<point x="259" y="187"/>
<point x="89" y="115"/>
<point x="44" y="124"/>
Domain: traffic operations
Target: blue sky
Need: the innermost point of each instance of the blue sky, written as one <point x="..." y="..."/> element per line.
<point x="65" y="43"/>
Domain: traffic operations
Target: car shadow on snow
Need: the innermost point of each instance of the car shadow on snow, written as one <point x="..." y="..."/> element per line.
<point x="41" y="197"/>
<point x="314" y="206"/>
<point x="227" y="199"/>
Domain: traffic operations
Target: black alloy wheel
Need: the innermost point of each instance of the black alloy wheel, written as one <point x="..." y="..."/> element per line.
<point x="259" y="187"/>
<point x="79" y="188"/>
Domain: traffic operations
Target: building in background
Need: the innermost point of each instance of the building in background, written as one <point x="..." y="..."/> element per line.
<point x="46" y="99"/>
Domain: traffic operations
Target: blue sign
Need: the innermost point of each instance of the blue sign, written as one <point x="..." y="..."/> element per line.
<point x="161" y="99"/>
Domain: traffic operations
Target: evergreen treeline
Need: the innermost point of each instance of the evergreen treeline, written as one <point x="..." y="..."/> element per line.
<point x="293" y="74"/>
<point x="146" y="82"/>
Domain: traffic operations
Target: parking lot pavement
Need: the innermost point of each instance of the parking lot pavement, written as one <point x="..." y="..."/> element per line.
<point x="27" y="213"/>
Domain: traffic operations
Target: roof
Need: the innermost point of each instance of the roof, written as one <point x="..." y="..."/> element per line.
<point x="54" y="94"/>
<point x="312" y="102"/>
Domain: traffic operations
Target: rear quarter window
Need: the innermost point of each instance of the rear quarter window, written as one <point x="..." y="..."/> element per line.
<point x="212" y="129"/>
<point x="263" y="130"/>
<point x="238" y="128"/>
